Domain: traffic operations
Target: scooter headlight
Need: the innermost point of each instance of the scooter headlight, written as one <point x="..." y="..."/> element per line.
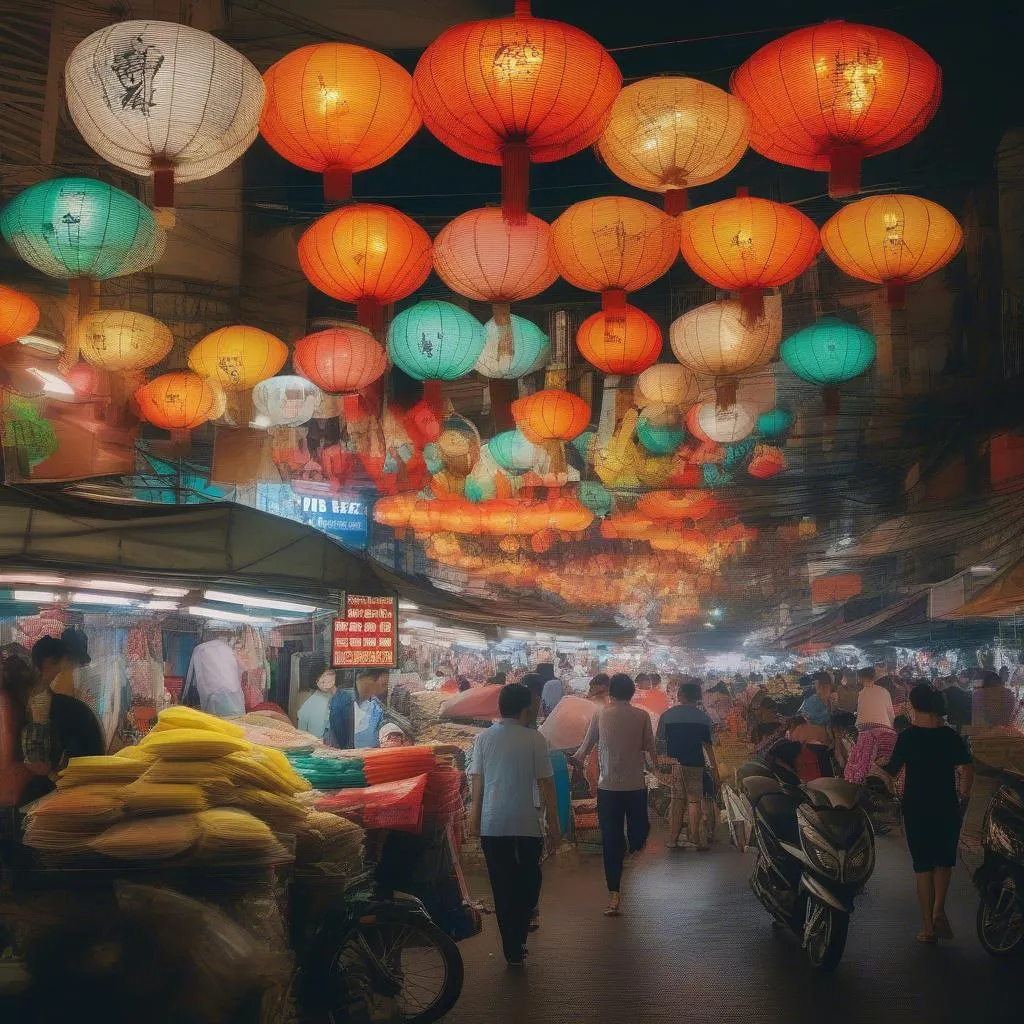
<point x="818" y="852"/>
<point x="860" y="861"/>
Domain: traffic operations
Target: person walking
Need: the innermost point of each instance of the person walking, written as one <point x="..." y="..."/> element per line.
<point x="874" y="703"/>
<point x="624" y="738"/>
<point x="684" y="732"/>
<point x="510" y="762"/>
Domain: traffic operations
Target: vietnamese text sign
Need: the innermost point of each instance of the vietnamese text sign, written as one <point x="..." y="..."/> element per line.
<point x="366" y="636"/>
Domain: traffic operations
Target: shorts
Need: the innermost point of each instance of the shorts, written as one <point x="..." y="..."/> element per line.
<point x="687" y="782"/>
<point x="932" y="839"/>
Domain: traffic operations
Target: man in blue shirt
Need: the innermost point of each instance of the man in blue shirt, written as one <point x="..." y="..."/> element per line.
<point x="356" y="715"/>
<point x="817" y="709"/>
<point x="509" y="760"/>
<point x="684" y="733"/>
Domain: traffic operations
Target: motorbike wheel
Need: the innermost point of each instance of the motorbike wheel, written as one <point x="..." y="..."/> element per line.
<point x="825" y="934"/>
<point x="398" y="969"/>
<point x="1000" y="923"/>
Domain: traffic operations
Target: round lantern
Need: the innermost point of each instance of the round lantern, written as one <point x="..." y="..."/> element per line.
<point x="613" y="245"/>
<point x="670" y="133"/>
<point x="435" y="340"/>
<point x="366" y="254"/>
<point x="530" y="350"/>
<point x="178" y="402"/>
<point x="19" y="315"/>
<point x="708" y="422"/>
<point x="120" y="340"/>
<point x="238" y="358"/>
<point x="162" y="99"/>
<point x="620" y="341"/>
<point x="512" y="452"/>
<point x="335" y="108"/>
<point x="513" y="90"/>
<point x="828" y="353"/>
<point x="746" y="245"/>
<point x="774" y="423"/>
<point x="669" y="506"/>
<point x="767" y="461"/>
<point x="666" y="384"/>
<point x="892" y="240"/>
<point x="551" y="415"/>
<point x="658" y="436"/>
<point x="285" y="401"/>
<point x="827" y="96"/>
<point x="719" y="340"/>
<point x="80" y="228"/>
<point x="340" y="360"/>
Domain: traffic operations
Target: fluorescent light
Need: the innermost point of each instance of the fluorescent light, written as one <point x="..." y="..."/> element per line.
<point x="169" y="592"/>
<point x="983" y="570"/>
<point x="35" y="596"/>
<point x="41" y="344"/>
<point x="519" y="633"/>
<point x="408" y="606"/>
<point x="258" y="602"/>
<point x="32" y="579"/>
<point x="52" y="384"/>
<point x="165" y="606"/>
<point x="101" y="599"/>
<point x="219" y="613"/>
<point x="114" y="585"/>
<point x="419" y="624"/>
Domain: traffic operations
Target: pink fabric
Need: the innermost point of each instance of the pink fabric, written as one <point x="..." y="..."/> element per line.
<point x="478" y="702"/>
<point x="566" y="726"/>
<point x="871" y="746"/>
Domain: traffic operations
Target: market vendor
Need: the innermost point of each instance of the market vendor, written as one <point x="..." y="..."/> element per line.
<point x="356" y="714"/>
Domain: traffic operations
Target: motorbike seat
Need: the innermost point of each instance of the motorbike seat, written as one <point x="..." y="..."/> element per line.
<point x="834" y="793"/>
<point x="757" y="787"/>
<point x="779" y="812"/>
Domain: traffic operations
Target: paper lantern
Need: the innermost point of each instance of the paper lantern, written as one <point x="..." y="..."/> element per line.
<point x="613" y="245"/>
<point x="336" y="109"/>
<point x="508" y="91"/>
<point x="531" y="349"/>
<point x="670" y="133"/>
<point x="366" y="254"/>
<point x="892" y="240"/>
<point x="828" y="353"/>
<point x="178" y="401"/>
<point x="666" y="384"/>
<point x="774" y="423"/>
<point x="708" y="422"/>
<point x="596" y="497"/>
<point x="767" y="461"/>
<point x="285" y="401"/>
<point x="19" y="315"/>
<point x="81" y="228"/>
<point x="340" y="360"/>
<point x="551" y="415"/>
<point x="435" y="340"/>
<point x="719" y="340"/>
<point x="238" y="358"/>
<point x="620" y="341"/>
<point x="674" y="505"/>
<point x="659" y="438"/>
<point x="827" y="96"/>
<point x="746" y="245"/>
<point x="119" y="340"/>
<point x="162" y="99"/>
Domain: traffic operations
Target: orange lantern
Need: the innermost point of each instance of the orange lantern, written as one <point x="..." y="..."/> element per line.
<point x="747" y="245"/>
<point x="892" y="240"/>
<point x="666" y="384"/>
<point x="513" y="90"/>
<point x="670" y="133"/>
<point x="19" y="315"/>
<point x="551" y="415"/>
<point x="340" y="360"/>
<point x="335" y="108"/>
<point x="767" y="461"/>
<point x="827" y="96"/>
<point x="178" y="402"/>
<point x="613" y="245"/>
<point x="620" y="341"/>
<point x="675" y="505"/>
<point x="366" y="254"/>
<point x="238" y="358"/>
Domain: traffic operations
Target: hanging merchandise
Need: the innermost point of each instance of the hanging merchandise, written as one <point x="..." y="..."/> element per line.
<point x="435" y="340"/>
<point x="766" y="461"/>
<point x="666" y="384"/>
<point x="747" y="245"/>
<point x="828" y="353"/>
<point x="238" y="358"/>
<point x="515" y="90"/>
<point x="285" y="401"/>
<point x="675" y="506"/>
<point x="19" y="315"/>
<point x="178" y="402"/>
<point x="119" y="340"/>
<point x="708" y="422"/>
<point x="163" y="100"/>
<point x="827" y="96"/>
<point x="661" y="433"/>
<point x="718" y="340"/>
<point x="340" y="360"/>
<point x="892" y="240"/>
<point x="530" y="351"/>
<point x="366" y="254"/>
<point x="336" y="109"/>
<point x="551" y="415"/>
<point x="624" y="340"/>
<point x="668" y="134"/>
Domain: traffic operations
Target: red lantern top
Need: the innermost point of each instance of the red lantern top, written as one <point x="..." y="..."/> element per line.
<point x="513" y="90"/>
<point x="827" y="96"/>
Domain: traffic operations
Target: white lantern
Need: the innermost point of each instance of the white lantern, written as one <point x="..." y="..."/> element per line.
<point x="165" y="100"/>
<point x="285" y="401"/>
<point x="723" y="426"/>
<point x="666" y="384"/>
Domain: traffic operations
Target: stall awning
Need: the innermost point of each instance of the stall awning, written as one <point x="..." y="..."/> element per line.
<point x="1002" y="598"/>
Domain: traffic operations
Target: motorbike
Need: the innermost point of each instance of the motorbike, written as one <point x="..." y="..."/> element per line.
<point x="815" y="851"/>
<point x="1000" y="879"/>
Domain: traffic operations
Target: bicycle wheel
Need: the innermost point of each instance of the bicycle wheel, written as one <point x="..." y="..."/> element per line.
<point x="398" y="969"/>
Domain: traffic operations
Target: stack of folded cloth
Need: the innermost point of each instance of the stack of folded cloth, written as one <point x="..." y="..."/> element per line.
<point x="331" y="841"/>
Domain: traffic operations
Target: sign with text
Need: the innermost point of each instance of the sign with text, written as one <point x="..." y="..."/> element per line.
<point x="366" y="636"/>
<point x="346" y="519"/>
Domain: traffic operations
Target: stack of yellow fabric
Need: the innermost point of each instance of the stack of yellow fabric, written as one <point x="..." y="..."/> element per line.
<point x="228" y="835"/>
<point x="83" y="771"/>
<point x="68" y="820"/>
<point x="331" y="841"/>
<point x="148" y="838"/>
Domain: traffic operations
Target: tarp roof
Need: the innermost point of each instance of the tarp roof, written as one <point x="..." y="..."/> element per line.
<point x="1003" y="597"/>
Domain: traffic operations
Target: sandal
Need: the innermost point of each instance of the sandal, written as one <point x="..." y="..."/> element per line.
<point x="612" y="910"/>
<point x="927" y="938"/>
<point x="943" y="929"/>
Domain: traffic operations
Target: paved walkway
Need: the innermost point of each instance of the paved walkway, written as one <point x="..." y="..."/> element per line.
<point x="695" y="945"/>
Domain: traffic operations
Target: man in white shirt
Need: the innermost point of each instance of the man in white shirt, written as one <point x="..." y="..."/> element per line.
<point x="874" y="705"/>
<point x="508" y="761"/>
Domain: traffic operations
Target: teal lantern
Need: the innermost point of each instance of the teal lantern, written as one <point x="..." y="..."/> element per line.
<point x="512" y="451"/>
<point x="584" y="443"/>
<point x="774" y="423"/>
<point x="529" y="350"/>
<point x="433" y="458"/>
<point x="828" y="353"/>
<point x="596" y="497"/>
<point x="715" y="476"/>
<point x="80" y="228"/>
<point x="736" y="454"/>
<point x="435" y="340"/>
<point x="659" y="439"/>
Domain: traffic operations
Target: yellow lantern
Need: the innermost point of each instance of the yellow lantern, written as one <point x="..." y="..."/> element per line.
<point x="238" y="358"/>
<point x="666" y="384"/>
<point x="120" y="340"/>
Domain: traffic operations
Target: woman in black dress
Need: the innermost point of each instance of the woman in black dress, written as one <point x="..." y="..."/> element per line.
<point x="931" y="752"/>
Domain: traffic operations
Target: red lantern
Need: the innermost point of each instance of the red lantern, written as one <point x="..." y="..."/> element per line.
<point x="19" y="315"/>
<point x="767" y="461"/>
<point x="622" y="341"/>
<point x="340" y="360"/>
<point x="551" y="415"/>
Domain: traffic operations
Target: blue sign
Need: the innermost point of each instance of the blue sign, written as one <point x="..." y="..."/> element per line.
<point x="344" y="519"/>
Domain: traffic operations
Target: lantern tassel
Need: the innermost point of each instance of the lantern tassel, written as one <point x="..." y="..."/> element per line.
<point x="506" y="343"/>
<point x="896" y="294"/>
<point x="844" y="163"/>
<point x="522" y="8"/>
<point x="676" y="201"/>
<point x="503" y="394"/>
<point x="725" y="394"/>
<point x="370" y="315"/>
<point x="515" y="181"/>
<point x="163" y="184"/>
<point x="752" y="304"/>
<point x="337" y="184"/>
<point x="613" y="299"/>
<point x="433" y="397"/>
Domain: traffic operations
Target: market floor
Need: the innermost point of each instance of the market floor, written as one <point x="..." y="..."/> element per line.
<point x="694" y="944"/>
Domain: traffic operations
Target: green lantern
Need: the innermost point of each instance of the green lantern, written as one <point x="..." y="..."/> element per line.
<point x="77" y="228"/>
<point x="715" y="476"/>
<point x="774" y="423"/>
<point x="596" y="497"/>
<point x="659" y="439"/>
<point x="737" y="453"/>
<point x="828" y="353"/>
<point x="435" y="340"/>
<point x="512" y="451"/>
<point x="530" y="349"/>
<point x="27" y="431"/>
